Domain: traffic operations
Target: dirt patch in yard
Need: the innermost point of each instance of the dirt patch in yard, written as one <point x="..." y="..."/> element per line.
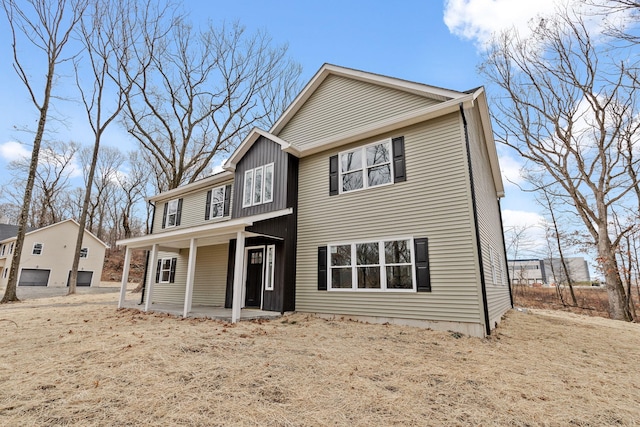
<point x="76" y="360"/>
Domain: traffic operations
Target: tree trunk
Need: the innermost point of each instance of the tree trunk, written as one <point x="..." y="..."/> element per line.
<point x="618" y="309"/>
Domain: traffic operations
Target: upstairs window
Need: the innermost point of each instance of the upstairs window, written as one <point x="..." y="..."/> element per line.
<point x="11" y="248"/>
<point x="172" y="213"/>
<point x="258" y="186"/>
<point x="373" y="165"/>
<point x="2" y="250"/>
<point x="84" y="252"/>
<point x="217" y="202"/>
<point x="37" y="249"/>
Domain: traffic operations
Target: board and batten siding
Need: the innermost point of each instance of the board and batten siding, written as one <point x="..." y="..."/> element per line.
<point x="210" y="279"/>
<point x="193" y="209"/>
<point x="433" y="203"/>
<point x="343" y="104"/>
<point x="263" y="152"/>
<point x="491" y="233"/>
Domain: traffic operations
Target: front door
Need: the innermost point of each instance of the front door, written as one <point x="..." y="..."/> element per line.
<point x="255" y="262"/>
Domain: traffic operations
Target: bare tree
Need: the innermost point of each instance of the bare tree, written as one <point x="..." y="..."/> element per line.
<point x="201" y="92"/>
<point x="566" y="110"/>
<point x="46" y="25"/>
<point x="55" y="167"/>
<point x="133" y="185"/>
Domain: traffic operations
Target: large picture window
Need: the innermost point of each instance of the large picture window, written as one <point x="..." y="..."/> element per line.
<point x="378" y="265"/>
<point x="365" y="167"/>
<point x="258" y="186"/>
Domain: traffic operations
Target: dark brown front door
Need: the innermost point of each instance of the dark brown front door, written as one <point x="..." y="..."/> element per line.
<point x="255" y="261"/>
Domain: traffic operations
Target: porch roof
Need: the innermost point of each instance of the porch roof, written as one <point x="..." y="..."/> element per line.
<point x="208" y="234"/>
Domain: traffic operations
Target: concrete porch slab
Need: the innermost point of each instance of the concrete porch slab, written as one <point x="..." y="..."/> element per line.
<point x="203" y="311"/>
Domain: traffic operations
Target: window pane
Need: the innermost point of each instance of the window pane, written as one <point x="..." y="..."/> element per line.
<point x="257" y="193"/>
<point x="166" y="264"/>
<point x="368" y="277"/>
<point x="399" y="277"/>
<point x="352" y="181"/>
<point x="378" y="154"/>
<point x="248" y="186"/>
<point x="367" y="253"/>
<point x="341" y="255"/>
<point x="397" y="252"/>
<point x="217" y="195"/>
<point x="217" y="210"/>
<point x="351" y="161"/>
<point x="379" y="175"/>
<point x="268" y="183"/>
<point x="165" y="276"/>
<point x="341" y="278"/>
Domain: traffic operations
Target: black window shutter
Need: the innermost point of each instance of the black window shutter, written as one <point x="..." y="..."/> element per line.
<point x="422" y="265"/>
<point x="227" y="200"/>
<point x="164" y="215"/>
<point x="333" y="175"/>
<point x="322" y="268"/>
<point x="399" y="170"/>
<point x="179" y="213"/>
<point x="207" y="208"/>
<point x="158" y="270"/>
<point x="172" y="272"/>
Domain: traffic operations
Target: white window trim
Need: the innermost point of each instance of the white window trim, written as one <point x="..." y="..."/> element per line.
<point x="492" y="264"/>
<point x="252" y="188"/>
<point x="34" y="248"/>
<point x="4" y="273"/>
<point x="268" y="286"/>
<point x="11" y="248"/>
<point x="244" y="274"/>
<point x="162" y="260"/>
<point x="167" y="222"/>
<point x="4" y="247"/>
<point x="224" y="195"/>
<point x="365" y="181"/>
<point x="86" y="255"/>
<point x="382" y="265"/>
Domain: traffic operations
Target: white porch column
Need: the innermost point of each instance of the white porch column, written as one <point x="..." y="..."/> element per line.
<point x="191" y="270"/>
<point x="151" y="278"/>
<point x="125" y="276"/>
<point x="237" y="278"/>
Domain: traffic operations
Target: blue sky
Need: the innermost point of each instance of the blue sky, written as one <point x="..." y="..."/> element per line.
<point x="408" y="39"/>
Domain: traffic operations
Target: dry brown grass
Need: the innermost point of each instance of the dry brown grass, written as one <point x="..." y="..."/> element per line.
<point x="76" y="360"/>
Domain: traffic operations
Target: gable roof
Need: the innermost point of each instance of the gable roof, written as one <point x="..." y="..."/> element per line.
<point x="431" y="92"/>
<point x="247" y="143"/>
<point x="38" y="230"/>
<point x="8" y="230"/>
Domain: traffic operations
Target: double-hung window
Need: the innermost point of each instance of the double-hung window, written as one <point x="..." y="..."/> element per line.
<point x="172" y="213"/>
<point x="11" y="248"/>
<point x="84" y="252"/>
<point x="378" y="265"/>
<point x="258" y="186"/>
<point x="2" y="250"/>
<point x="37" y="249"/>
<point x="166" y="270"/>
<point x="365" y="167"/>
<point x="217" y="202"/>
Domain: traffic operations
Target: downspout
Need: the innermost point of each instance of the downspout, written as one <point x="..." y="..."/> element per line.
<point x="146" y="262"/>
<point x="504" y="248"/>
<point x="483" y="285"/>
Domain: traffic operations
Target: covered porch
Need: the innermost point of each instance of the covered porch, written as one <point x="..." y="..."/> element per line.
<point x="191" y="239"/>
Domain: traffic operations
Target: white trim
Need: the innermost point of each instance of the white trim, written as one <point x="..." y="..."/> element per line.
<point x="13" y="238"/>
<point x="232" y="162"/>
<point x="125" y="277"/>
<point x="224" y="194"/>
<point x="264" y="183"/>
<point x="382" y="265"/>
<point x="218" y="178"/>
<point x="152" y="277"/>
<point x="201" y="231"/>
<point x="244" y="190"/>
<point x="271" y="276"/>
<point x="191" y="271"/>
<point x="363" y="158"/>
<point x="238" y="277"/>
<point x="244" y="274"/>
<point x="86" y="252"/>
<point x="258" y="186"/>
<point x="162" y="270"/>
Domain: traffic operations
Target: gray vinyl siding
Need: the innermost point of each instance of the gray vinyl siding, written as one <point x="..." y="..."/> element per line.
<point x="210" y="280"/>
<point x="491" y="234"/>
<point x="342" y="104"/>
<point x="263" y="152"/>
<point x="432" y="203"/>
<point x="193" y="209"/>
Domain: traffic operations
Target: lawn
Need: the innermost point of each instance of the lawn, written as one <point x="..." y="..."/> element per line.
<point x="77" y="360"/>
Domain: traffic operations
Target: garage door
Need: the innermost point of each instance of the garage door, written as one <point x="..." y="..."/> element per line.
<point x="34" y="277"/>
<point x="84" y="278"/>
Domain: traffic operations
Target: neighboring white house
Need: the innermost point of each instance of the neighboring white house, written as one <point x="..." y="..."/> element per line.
<point x="47" y="256"/>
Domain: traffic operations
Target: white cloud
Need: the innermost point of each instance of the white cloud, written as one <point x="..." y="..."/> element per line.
<point x="12" y="150"/>
<point x="217" y="168"/>
<point x="524" y="233"/>
<point x="477" y="20"/>
<point x="511" y="170"/>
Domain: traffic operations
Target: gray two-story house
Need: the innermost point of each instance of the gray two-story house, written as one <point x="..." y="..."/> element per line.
<point x="372" y="198"/>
